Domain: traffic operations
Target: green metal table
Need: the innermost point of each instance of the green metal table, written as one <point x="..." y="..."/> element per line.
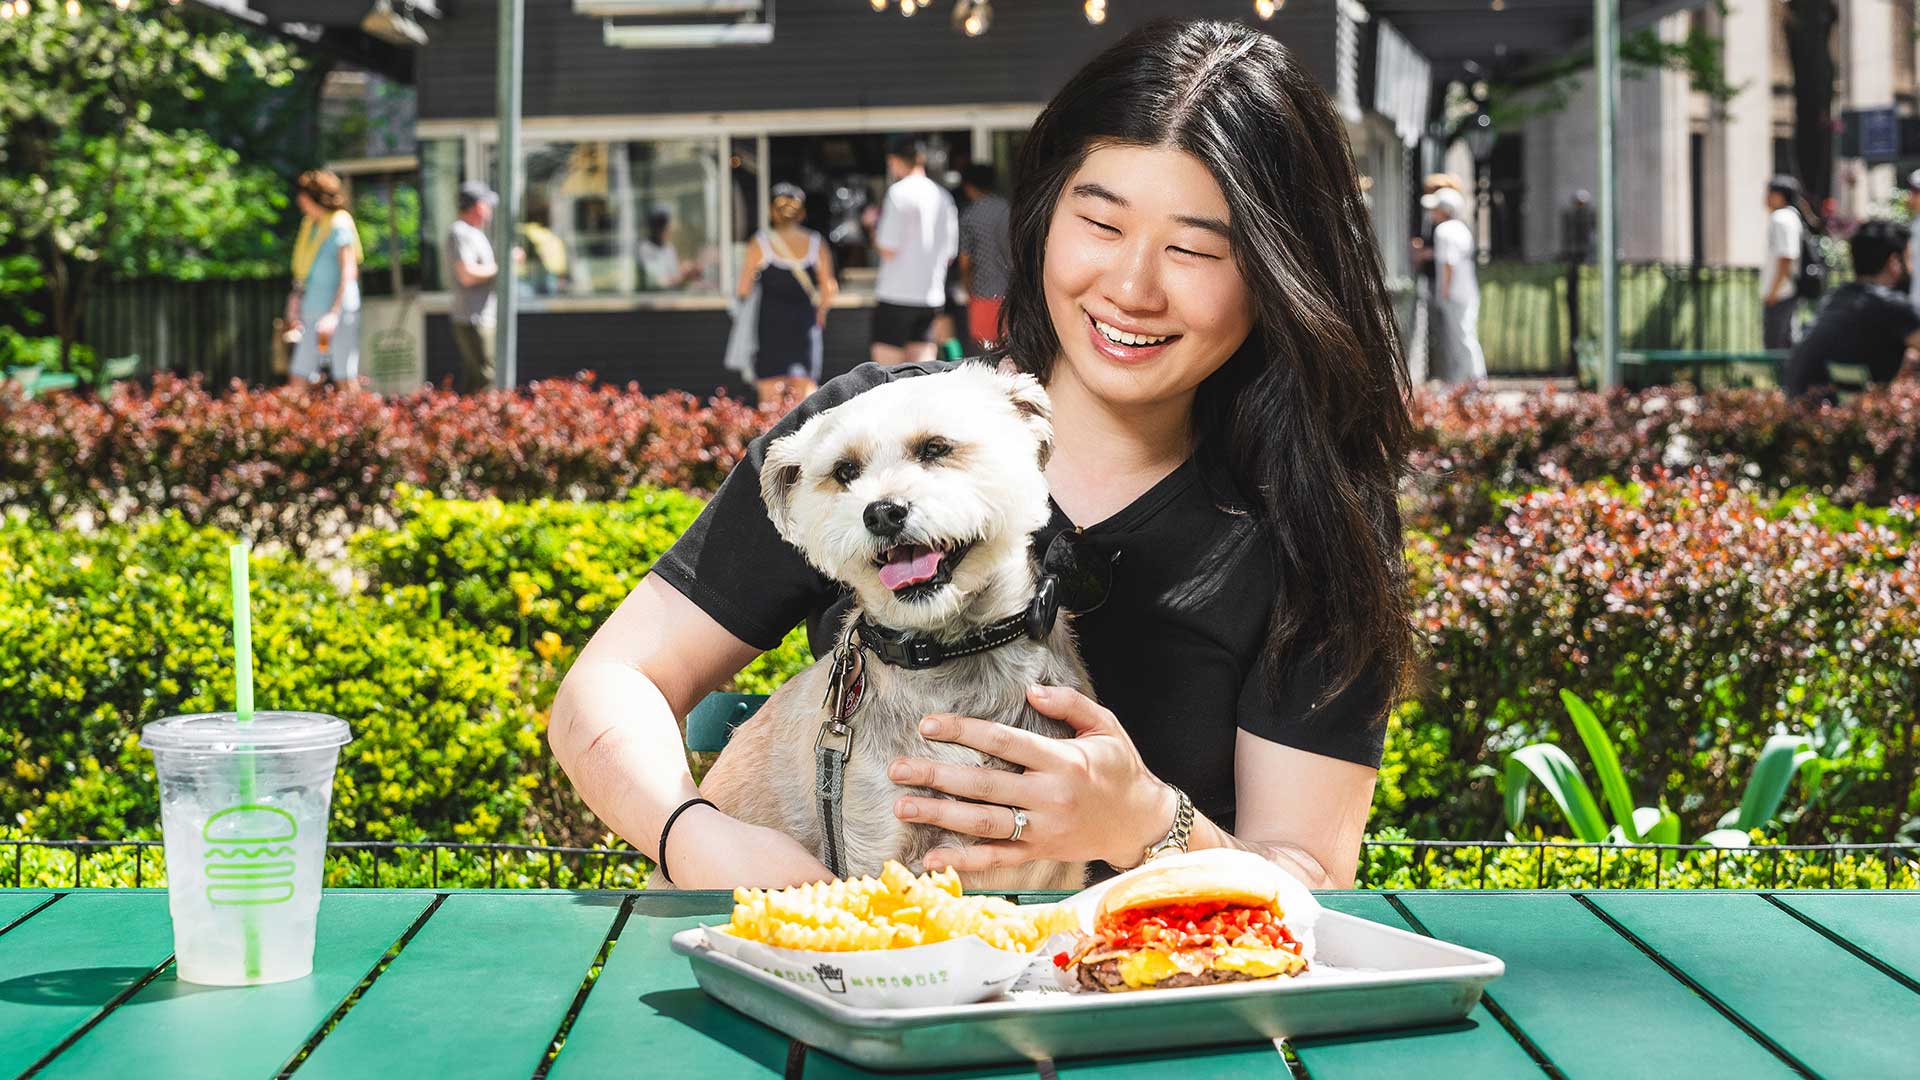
<point x="581" y="984"/>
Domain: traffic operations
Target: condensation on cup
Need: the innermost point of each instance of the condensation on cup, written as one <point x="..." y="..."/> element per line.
<point x="243" y="812"/>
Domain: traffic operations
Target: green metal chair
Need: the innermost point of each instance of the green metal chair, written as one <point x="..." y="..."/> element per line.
<point x="711" y="722"/>
<point x="113" y="372"/>
<point x="24" y="376"/>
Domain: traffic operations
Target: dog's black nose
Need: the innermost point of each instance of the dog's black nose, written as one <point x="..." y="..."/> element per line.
<point x="885" y="517"/>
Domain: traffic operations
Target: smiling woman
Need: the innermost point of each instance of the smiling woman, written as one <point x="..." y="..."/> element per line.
<point x="1195" y="284"/>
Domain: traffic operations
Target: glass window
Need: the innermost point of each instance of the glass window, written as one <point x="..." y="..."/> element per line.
<point x="440" y="175"/>
<point x="619" y="218"/>
<point x="845" y="178"/>
<point x="386" y="208"/>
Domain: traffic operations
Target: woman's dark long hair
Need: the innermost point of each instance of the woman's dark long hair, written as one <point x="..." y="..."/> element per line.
<point x="1309" y="417"/>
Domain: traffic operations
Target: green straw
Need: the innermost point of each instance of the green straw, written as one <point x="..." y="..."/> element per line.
<point x="243" y="708"/>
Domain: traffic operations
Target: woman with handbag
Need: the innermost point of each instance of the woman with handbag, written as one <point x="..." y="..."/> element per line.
<point x="791" y="269"/>
<point x="325" y="303"/>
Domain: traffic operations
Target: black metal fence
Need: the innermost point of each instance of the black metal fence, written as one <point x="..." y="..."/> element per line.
<point x="1384" y="864"/>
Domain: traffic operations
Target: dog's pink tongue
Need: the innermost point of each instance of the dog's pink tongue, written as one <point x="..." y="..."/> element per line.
<point x="909" y="566"/>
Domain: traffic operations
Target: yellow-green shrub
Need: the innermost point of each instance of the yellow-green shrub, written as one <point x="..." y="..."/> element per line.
<point x="102" y="632"/>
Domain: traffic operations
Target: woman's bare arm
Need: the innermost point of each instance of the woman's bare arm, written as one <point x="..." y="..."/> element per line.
<point x="614" y="730"/>
<point x="1305" y="811"/>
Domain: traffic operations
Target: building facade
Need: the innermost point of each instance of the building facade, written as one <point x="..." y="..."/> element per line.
<point x="646" y="171"/>
<point x="1694" y="172"/>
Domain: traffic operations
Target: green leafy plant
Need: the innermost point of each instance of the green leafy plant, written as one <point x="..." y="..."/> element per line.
<point x="1556" y="772"/>
<point x="1550" y="767"/>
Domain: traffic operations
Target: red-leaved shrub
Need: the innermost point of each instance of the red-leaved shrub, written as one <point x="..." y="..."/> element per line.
<point x="1696" y="624"/>
<point x="269" y="462"/>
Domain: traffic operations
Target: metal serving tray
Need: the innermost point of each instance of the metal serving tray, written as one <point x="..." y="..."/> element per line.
<point x="1367" y="977"/>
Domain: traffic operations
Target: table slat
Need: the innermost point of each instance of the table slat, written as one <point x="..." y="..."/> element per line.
<point x="1828" y="1008"/>
<point x="179" y="1030"/>
<point x="1879" y="924"/>
<point x="1477" y="1047"/>
<point x="646" y="1007"/>
<point x="477" y="993"/>
<point x="15" y="904"/>
<point x="59" y="968"/>
<point x="1594" y="1004"/>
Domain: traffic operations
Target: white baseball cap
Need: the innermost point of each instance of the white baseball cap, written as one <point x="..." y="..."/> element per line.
<point x="1454" y="203"/>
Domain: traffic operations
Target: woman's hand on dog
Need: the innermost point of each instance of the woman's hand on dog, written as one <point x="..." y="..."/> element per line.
<point x="1088" y="797"/>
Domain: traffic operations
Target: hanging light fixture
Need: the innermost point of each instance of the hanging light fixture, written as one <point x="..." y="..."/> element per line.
<point x="1096" y="11"/>
<point x="979" y="19"/>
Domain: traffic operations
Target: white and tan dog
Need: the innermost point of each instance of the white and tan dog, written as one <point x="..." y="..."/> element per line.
<point x="922" y="497"/>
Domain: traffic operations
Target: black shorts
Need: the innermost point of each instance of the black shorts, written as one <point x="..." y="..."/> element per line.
<point x="900" y="325"/>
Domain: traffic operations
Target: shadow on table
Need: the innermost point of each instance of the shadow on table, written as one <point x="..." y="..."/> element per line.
<point x="71" y="986"/>
<point x="1389" y="1035"/>
<point x="692" y="1007"/>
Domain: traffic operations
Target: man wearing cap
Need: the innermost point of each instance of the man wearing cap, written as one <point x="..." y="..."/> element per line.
<point x="474" y="269"/>
<point x="1457" y="286"/>
<point x="1785" y="234"/>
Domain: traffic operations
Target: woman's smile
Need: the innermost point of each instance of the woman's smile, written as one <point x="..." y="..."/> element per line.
<point x="1127" y="347"/>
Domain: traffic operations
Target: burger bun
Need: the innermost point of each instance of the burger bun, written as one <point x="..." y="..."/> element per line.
<point x="1189" y="883"/>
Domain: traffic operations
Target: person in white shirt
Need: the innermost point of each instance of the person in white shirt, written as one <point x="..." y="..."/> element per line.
<point x="1457" y="285"/>
<point x="918" y="235"/>
<point x="1785" y="233"/>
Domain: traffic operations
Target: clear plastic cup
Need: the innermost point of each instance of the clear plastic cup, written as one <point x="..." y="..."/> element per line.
<point x="243" y="811"/>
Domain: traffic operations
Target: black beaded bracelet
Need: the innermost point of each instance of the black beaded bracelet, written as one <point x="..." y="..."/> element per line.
<point x="668" y="827"/>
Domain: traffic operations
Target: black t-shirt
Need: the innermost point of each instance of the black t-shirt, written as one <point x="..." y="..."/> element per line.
<point x="1860" y="323"/>
<point x="1173" y="651"/>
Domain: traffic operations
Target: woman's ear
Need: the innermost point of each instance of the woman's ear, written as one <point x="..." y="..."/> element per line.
<point x="1030" y="401"/>
<point x="780" y="472"/>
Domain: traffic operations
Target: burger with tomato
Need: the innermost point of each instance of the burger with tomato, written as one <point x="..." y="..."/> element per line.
<point x="1185" y="925"/>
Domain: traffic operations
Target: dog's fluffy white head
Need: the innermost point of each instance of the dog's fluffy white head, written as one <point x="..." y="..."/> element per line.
<point x="920" y="494"/>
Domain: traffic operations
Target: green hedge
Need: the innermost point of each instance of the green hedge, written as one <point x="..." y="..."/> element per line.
<point x="548" y="571"/>
<point x="459" y="622"/>
<point x="102" y="632"/>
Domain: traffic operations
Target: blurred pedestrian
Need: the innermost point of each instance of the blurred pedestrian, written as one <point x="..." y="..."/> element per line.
<point x="918" y="235"/>
<point x="1913" y="241"/>
<point x="984" y="258"/>
<point x="1786" y="235"/>
<point x="792" y="267"/>
<point x="660" y="260"/>
<point x="1456" y="288"/>
<point x="471" y="296"/>
<point x="1869" y="321"/>
<point x="325" y="302"/>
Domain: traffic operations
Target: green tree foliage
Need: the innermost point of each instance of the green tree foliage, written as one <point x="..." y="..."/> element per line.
<point x="91" y="182"/>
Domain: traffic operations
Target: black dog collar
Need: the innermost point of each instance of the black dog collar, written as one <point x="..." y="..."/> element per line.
<point x="902" y="649"/>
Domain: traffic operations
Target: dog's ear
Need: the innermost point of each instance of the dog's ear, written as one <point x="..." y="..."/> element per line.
<point x="1030" y="401"/>
<point x="780" y="473"/>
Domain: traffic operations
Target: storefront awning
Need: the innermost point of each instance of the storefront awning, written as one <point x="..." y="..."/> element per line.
<point x="1507" y="36"/>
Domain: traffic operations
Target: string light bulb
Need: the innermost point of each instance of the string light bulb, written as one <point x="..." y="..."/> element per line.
<point x="1266" y="8"/>
<point x="879" y="5"/>
<point x="979" y="18"/>
<point x="123" y="4"/>
<point x="73" y="9"/>
<point x="908" y="7"/>
<point x="1096" y="11"/>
